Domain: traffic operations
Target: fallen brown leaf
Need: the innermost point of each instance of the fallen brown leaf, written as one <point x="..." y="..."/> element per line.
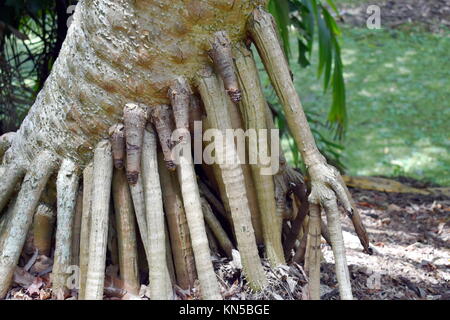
<point x="35" y="287"/>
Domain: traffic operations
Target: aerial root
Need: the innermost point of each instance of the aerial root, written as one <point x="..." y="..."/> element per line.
<point x="11" y="176"/>
<point x="300" y="253"/>
<point x="169" y="259"/>
<point x="301" y="198"/>
<point x="117" y="134"/>
<point x="101" y="193"/>
<point x="160" y="283"/>
<point x="20" y="222"/>
<point x="325" y="233"/>
<point x="43" y="225"/>
<point x="212" y="241"/>
<point x="313" y="253"/>
<point x="216" y="106"/>
<point x="212" y="200"/>
<point x="112" y="243"/>
<point x="135" y="118"/>
<point x="355" y="216"/>
<point x="223" y="61"/>
<point x="282" y="192"/>
<point x="213" y="174"/>
<point x="326" y="189"/>
<point x="126" y="232"/>
<point x="76" y="227"/>
<point x="5" y="218"/>
<point x="67" y="187"/>
<point x="253" y="107"/>
<point x="137" y="194"/>
<point x="88" y="181"/>
<point x="162" y="119"/>
<point x="183" y="256"/>
<point x="252" y="198"/>
<point x="132" y="150"/>
<point x="179" y="96"/>
<point x="337" y="243"/>
<point x="214" y="225"/>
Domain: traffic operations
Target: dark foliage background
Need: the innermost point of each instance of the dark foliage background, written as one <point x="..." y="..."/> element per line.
<point x="32" y="32"/>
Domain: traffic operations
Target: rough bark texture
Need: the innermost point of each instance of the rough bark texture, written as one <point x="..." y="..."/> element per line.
<point x="126" y="232"/>
<point x="134" y="118"/>
<point x="264" y="34"/>
<point x="191" y="197"/>
<point x="216" y="104"/>
<point x="88" y="180"/>
<point x="162" y="119"/>
<point x="160" y="284"/>
<point x="183" y="255"/>
<point x="253" y="106"/>
<point x="67" y="187"/>
<point x="117" y="134"/>
<point x="76" y="228"/>
<point x="139" y="53"/>
<point x="17" y="229"/>
<point x="250" y="188"/>
<point x="223" y="60"/>
<point x="313" y="253"/>
<point x="101" y="193"/>
<point x="137" y="194"/>
<point x="216" y="174"/>
<point x="325" y="185"/>
<point x="116" y="52"/>
<point x="337" y="242"/>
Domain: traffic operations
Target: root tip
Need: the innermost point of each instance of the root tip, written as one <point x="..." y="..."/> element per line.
<point x="132" y="177"/>
<point x="235" y="95"/>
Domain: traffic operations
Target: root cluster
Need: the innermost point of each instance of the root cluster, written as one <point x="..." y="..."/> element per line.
<point x="157" y="216"/>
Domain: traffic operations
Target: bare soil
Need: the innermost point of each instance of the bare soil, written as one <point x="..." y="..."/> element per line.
<point x="410" y="236"/>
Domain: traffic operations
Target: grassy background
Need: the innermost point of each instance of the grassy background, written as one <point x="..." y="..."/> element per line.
<point x="397" y="99"/>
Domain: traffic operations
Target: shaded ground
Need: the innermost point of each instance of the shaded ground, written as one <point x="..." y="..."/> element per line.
<point x="410" y="235"/>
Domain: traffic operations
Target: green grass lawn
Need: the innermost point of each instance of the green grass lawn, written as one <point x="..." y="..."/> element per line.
<point x="398" y="93"/>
